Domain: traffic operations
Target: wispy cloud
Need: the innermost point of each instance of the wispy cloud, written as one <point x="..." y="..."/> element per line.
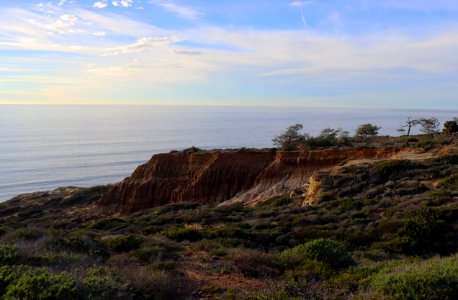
<point x="141" y="45"/>
<point x="300" y="3"/>
<point x="185" y="12"/>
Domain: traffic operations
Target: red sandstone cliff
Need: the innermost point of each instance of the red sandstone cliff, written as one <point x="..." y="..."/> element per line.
<point x="231" y="176"/>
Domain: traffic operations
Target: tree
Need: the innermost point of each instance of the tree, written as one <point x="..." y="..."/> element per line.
<point x="327" y="137"/>
<point x="408" y="125"/>
<point x="290" y="139"/>
<point x="367" y="130"/>
<point x="429" y="125"/>
<point x="450" y="127"/>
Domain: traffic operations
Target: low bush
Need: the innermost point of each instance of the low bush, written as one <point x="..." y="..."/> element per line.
<point x="277" y="201"/>
<point x="8" y="254"/>
<point x="420" y="230"/>
<point x="450" y="183"/>
<point x="28" y="234"/>
<point x="107" y="223"/>
<point x="254" y="263"/>
<point x="386" y="169"/>
<point x="10" y="274"/>
<point x="324" y="250"/>
<point x="433" y="279"/>
<point x="40" y="284"/>
<point x="100" y="284"/>
<point x="124" y="243"/>
<point x="183" y="234"/>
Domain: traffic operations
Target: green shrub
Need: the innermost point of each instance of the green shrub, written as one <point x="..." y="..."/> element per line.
<point x="164" y="266"/>
<point x="76" y="242"/>
<point x="159" y="251"/>
<point x="184" y="234"/>
<point x="254" y="263"/>
<point x="124" y="243"/>
<point x="176" y="207"/>
<point x="9" y="274"/>
<point x="236" y="231"/>
<point x="8" y="254"/>
<point x="28" y="234"/>
<point x="40" y="284"/>
<point x="449" y="183"/>
<point x="276" y="201"/>
<point x="421" y="229"/>
<point x="432" y="279"/>
<point x="390" y="167"/>
<point x="324" y="250"/>
<point x="107" y="223"/>
<point x="448" y="159"/>
<point x="101" y="284"/>
<point x="152" y="229"/>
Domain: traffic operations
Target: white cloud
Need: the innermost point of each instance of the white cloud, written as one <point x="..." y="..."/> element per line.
<point x="61" y="2"/>
<point x="126" y="3"/>
<point x="186" y="12"/>
<point x="123" y="3"/>
<point x="142" y="45"/>
<point x="100" y="4"/>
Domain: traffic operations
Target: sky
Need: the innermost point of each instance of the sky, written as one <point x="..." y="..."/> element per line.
<point x="364" y="53"/>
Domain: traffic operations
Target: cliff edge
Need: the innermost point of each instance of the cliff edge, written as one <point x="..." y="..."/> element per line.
<point x="226" y="177"/>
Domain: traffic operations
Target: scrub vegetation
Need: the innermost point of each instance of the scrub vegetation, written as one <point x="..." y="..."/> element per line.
<point x="380" y="230"/>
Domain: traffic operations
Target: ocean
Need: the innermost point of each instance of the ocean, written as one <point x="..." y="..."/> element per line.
<point x="45" y="147"/>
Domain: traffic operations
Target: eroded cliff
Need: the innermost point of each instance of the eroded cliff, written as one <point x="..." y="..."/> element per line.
<point x="225" y="177"/>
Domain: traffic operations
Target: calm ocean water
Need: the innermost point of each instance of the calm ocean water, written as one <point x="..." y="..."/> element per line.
<point x="45" y="147"/>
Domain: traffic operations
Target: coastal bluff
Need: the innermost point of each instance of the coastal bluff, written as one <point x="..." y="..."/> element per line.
<point x="226" y="177"/>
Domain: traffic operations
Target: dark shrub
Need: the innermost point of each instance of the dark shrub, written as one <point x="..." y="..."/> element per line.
<point x="107" y="223"/>
<point x="226" y="232"/>
<point x="28" y="234"/>
<point x="387" y="168"/>
<point x="421" y="229"/>
<point x="124" y="243"/>
<point x="8" y="254"/>
<point x="276" y="201"/>
<point x="192" y="149"/>
<point x="184" y="234"/>
<point x="450" y="183"/>
<point x="448" y="159"/>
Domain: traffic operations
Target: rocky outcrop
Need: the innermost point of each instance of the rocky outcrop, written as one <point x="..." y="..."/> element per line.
<point x="225" y="177"/>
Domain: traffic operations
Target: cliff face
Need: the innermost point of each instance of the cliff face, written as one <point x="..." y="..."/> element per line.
<point x="225" y="177"/>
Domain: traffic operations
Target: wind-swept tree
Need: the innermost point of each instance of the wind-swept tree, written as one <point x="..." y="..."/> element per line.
<point x="366" y="130"/>
<point x="429" y="125"/>
<point x="408" y="125"/>
<point x="291" y="138"/>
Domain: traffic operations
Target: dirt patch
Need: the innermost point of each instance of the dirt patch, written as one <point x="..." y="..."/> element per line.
<point x="206" y="271"/>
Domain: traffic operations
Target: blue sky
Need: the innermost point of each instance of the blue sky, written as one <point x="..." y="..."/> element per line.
<point x="297" y="53"/>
